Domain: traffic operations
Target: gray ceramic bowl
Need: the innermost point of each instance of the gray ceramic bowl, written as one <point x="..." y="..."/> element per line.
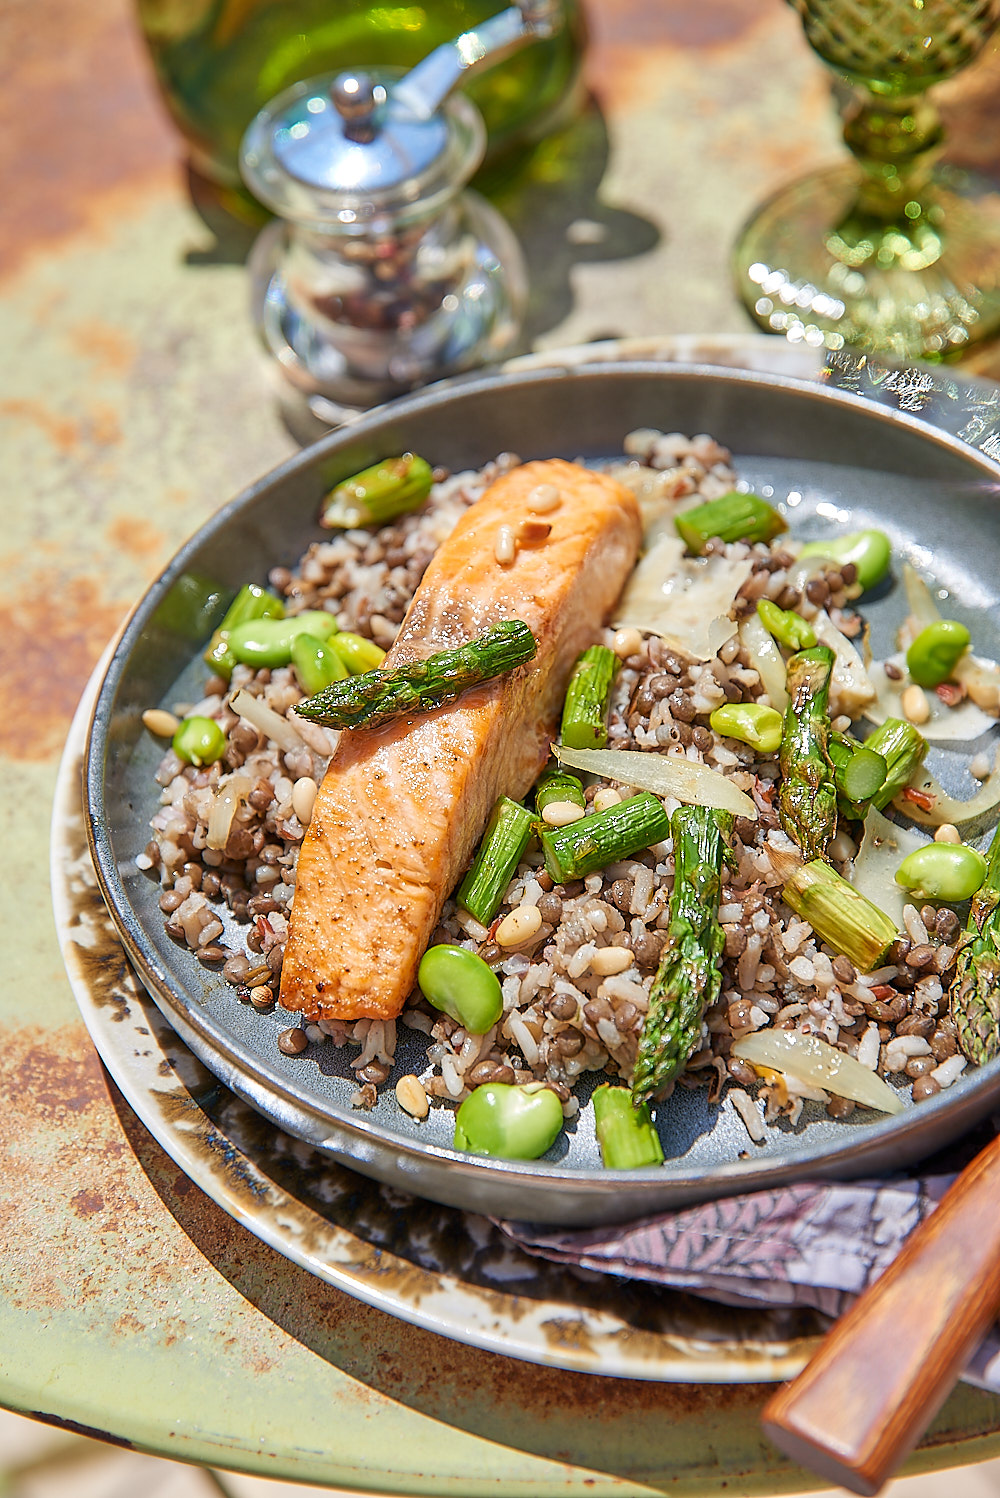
<point x="827" y="455"/>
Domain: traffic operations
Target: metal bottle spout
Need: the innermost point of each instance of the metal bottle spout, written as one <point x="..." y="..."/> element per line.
<point x="425" y="86"/>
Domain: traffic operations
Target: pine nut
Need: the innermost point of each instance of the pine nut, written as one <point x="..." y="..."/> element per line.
<point x="292" y="1042"/>
<point x="161" y="723"/>
<point x="304" y="798"/>
<point x="915" y="705"/>
<point x="543" y="498"/>
<point x="606" y="797"/>
<point x="842" y="847"/>
<point x="947" y="833"/>
<point x="411" y="1097"/>
<point x="626" y="642"/>
<point x="531" y="532"/>
<point x="505" y="545"/>
<point x="520" y="926"/>
<point x="609" y="960"/>
<point x="561" y="813"/>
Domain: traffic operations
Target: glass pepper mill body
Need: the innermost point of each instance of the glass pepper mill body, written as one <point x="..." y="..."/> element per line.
<point x="382" y="271"/>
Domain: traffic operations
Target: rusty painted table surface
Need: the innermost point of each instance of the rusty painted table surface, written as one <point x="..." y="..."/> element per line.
<point x="132" y="403"/>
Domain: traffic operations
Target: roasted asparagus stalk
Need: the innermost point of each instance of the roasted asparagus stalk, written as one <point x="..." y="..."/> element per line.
<point x="975" y="992"/>
<point x="903" y="749"/>
<point x="807" y="799"/>
<point x="690" y="972"/>
<point x="377" y="696"/>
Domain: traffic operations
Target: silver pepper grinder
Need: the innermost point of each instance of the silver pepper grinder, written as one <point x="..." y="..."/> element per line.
<point x="381" y="273"/>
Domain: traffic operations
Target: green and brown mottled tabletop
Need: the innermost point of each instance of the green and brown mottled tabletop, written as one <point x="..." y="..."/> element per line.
<point x="132" y="404"/>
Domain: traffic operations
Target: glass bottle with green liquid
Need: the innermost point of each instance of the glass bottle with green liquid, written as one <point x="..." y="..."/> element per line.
<point x="220" y="61"/>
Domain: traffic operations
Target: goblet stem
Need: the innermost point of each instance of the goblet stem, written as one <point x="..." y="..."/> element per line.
<point x="895" y="142"/>
<point x="882" y="252"/>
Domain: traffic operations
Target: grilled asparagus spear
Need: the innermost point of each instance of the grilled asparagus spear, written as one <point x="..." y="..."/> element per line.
<point x="375" y="697"/>
<point x="690" y="973"/>
<point x="975" y="992"/>
<point x="807" y="800"/>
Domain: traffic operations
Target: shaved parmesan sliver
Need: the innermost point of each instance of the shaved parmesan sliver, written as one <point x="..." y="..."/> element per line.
<point x="946" y="808"/>
<point x="810" y="1058"/>
<point x="685" y="599"/>
<point x="850" y="688"/>
<point x="694" y="784"/>
<point x="961" y="723"/>
<point x="981" y="679"/>
<point x="766" y="659"/>
<point x="883" y="848"/>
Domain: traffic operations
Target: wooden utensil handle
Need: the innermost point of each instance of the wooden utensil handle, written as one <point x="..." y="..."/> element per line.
<point x="887" y="1366"/>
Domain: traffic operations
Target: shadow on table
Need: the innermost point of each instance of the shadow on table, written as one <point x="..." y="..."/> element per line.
<point x="629" y="1428"/>
<point x="549" y="194"/>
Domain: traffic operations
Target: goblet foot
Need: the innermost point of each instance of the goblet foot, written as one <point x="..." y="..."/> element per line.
<point x="813" y="266"/>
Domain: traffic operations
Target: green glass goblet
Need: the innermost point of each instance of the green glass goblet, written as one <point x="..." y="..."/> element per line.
<point x="888" y="251"/>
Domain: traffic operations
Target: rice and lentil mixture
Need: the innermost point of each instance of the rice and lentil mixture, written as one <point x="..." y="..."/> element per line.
<point x="575" y="961"/>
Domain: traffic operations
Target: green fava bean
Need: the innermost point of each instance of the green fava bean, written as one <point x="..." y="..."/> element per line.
<point x="357" y="653"/>
<point x="462" y="985"/>
<point x="942" y="871"/>
<point x="511" y="1123"/>
<point x="870" y="551"/>
<point x="786" y="626"/>
<point x="936" y="652"/>
<point x="316" y="664"/>
<point x="268" y="642"/>
<point x="751" y="723"/>
<point x="199" y="741"/>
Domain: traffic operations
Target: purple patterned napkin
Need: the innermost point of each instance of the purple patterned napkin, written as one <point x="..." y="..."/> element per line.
<point x="815" y="1244"/>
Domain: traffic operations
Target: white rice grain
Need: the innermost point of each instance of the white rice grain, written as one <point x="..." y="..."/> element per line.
<point x="642" y="889"/>
<point x="949" y="1071"/>
<point x="749" y="1113"/>
<point x="915" y="928"/>
<point x="868" y="1047"/>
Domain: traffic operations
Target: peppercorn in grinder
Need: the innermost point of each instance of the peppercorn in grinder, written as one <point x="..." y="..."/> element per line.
<point x="381" y="273"/>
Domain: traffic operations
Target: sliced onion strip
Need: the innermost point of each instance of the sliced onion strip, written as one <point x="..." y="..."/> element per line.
<point x="694" y="784"/>
<point x="946" y="808"/>
<point x="850" y="688"/>
<point x="815" y="1061"/>
<point x="279" y="730"/>
<point x="883" y="848"/>
<point x="919" y="597"/>
<point x="766" y="659"/>
<point x="231" y="793"/>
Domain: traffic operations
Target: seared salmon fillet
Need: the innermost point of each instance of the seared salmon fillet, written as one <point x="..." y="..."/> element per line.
<point x="402" y="806"/>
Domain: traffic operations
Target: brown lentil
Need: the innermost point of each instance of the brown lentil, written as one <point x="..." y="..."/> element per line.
<point x="212" y="952"/>
<point x="943" y="1044"/>
<point x="919" y="1066"/>
<point x="840" y="1107"/>
<point x="483" y="1072"/>
<point x="920" y="957"/>
<point x="741" y="1072"/>
<point x="844" y="970"/>
<point x="924" y="1087"/>
<point x="550" y="908"/>
<point x="916" y="1024"/>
